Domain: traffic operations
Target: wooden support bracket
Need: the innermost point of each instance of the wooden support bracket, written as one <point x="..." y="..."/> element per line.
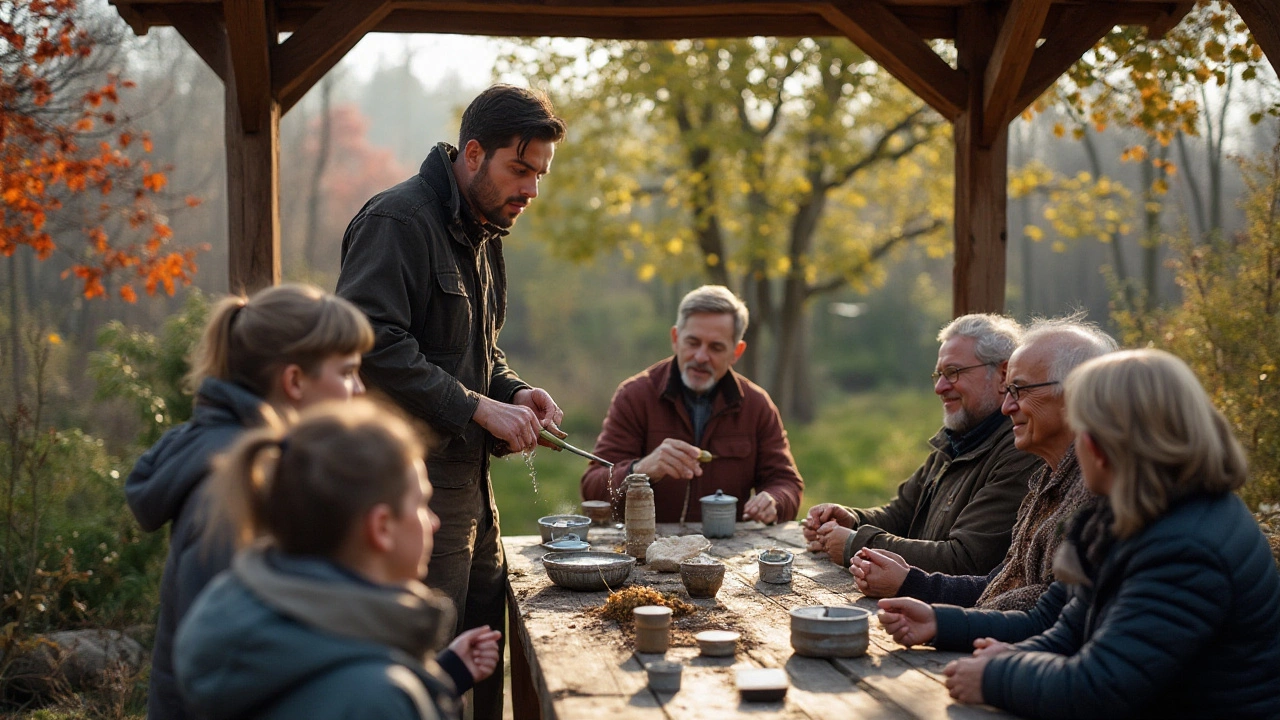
<point x="887" y="40"/>
<point x="1010" y="58"/>
<point x="1078" y="30"/>
<point x="250" y="44"/>
<point x="310" y="52"/>
<point x="201" y="27"/>
<point x="1168" y="19"/>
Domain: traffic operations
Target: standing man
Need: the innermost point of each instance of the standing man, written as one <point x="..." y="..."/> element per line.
<point x="662" y="419"/>
<point x="956" y="513"/>
<point x="424" y="261"/>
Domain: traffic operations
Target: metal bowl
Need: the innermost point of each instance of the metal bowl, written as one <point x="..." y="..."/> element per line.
<point x="554" y="526"/>
<point x="588" y="570"/>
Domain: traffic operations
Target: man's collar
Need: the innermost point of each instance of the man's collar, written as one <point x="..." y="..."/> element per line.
<point x="974" y="439"/>
<point x="437" y="171"/>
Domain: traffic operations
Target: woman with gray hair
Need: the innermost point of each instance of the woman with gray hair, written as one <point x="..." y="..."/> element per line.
<point x="1176" y="607"/>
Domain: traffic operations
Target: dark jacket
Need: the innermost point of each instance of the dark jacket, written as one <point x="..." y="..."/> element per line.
<point x="281" y="637"/>
<point x="744" y="433"/>
<point x="1182" y="620"/>
<point x="433" y="283"/>
<point x="954" y="514"/>
<point x="166" y="486"/>
<point x="958" y="627"/>
<point x="1027" y="571"/>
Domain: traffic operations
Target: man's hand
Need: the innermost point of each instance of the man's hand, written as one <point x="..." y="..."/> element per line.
<point x="964" y="679"/>
<point x="820" y="515"/>
<point x="539" y="401"/>
<point x="762" y="507"/>
<point x="516" y="425"/>
<point x="830" y="539"/>
<point x="908" y="620"/>
<point x="478" y="648"/>
<point x="878" y="573"/>
<point x="673" y="458"/>
<point x="990" y="647"/>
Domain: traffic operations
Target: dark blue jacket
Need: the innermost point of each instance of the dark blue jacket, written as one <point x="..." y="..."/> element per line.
<point x="165" y="487"/>
<point x="958" y="627"/>
<point x="1182" y="620"/>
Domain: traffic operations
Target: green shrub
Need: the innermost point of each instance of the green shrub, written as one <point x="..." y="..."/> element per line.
<point x="1228" y="325"/>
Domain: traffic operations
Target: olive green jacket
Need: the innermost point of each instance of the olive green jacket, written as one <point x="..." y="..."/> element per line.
<point x="953" y="515"/>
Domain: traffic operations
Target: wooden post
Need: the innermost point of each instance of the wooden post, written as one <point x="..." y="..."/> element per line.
<point x="981" y="178"/>
<point x="253" y="148"/>
<point x="1263" y="19"/>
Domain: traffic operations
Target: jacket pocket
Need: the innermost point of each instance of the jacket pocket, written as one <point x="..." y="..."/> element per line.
<point x="730" y="447"/>
<point x="448" y="324"/>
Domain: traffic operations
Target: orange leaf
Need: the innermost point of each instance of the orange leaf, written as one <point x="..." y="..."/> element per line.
<point x="193" y="201"/>
<point x="154" y="182"/>
<point x="127" y="294"/>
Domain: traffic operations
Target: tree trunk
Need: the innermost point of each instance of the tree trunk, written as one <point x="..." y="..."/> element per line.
<point x="312" y="241"/>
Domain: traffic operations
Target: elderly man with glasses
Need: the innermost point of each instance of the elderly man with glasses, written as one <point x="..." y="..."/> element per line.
<point x="1033" y="400"/>
<point x="955" y="514"/>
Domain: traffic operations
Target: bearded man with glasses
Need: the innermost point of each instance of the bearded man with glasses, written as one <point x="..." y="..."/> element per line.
<point x="955" y="514"/>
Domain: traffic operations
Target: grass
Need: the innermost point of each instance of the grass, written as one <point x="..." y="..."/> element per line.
<point x="855" y="453"/>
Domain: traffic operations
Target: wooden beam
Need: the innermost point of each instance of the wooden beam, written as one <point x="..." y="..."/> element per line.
<point x="1079" y="29"/>
<point x="137" y="23"/>
<point x="1165" y="21"/>
<point x="889" y="42"/>
<point x="253" y="191"/>
<point x="250" y="46"/>
<point x="1263" y="19"/>
<point x="978" y="275"/>
<point x="316" y="47"/>
<point x="201" y="27"/>
<point x="1014" y="48"/>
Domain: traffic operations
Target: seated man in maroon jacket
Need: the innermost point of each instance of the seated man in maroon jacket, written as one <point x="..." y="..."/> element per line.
<point x="661" y="421"/>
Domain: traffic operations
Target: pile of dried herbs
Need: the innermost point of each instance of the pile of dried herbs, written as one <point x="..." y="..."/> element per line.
<point x="619" y="605"/>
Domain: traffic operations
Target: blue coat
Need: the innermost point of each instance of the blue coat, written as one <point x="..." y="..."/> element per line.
<point x="1182" y="621"/>
<point x="165" y="487"/>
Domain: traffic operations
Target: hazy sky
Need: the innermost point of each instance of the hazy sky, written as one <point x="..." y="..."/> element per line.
<point x="434" y="56"/>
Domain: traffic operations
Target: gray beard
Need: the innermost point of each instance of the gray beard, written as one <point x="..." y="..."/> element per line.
<point x="962" y="421"/>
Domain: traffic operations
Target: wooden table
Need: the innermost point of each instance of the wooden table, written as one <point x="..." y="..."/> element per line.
<point x="568" y="662"/>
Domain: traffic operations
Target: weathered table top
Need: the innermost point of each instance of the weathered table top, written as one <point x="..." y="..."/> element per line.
<point x="568" y="662"/>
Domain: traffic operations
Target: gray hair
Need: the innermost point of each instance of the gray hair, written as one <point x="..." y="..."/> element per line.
<point x="715" y="299"/>
<point x="1076" y="342"/>
<point x="995" y="336"/>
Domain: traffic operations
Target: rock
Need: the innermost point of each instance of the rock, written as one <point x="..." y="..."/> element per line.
<point x="74" y="660"/>
<point x="666" y="554"/>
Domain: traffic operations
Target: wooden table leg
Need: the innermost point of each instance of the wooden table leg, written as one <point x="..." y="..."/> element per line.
<point x="525" y="704"/>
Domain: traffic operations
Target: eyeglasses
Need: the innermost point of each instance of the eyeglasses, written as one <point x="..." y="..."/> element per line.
<point x="953" y="373"/>
<point x="1013" y="390"/>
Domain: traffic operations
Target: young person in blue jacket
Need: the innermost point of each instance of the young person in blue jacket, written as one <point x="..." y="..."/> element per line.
<point x="322" y="614"/>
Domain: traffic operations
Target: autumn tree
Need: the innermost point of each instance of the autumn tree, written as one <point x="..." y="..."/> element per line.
<point x="786" y="169"/>
<point x="75" y="177"/>
<point x="1164" y="88"/>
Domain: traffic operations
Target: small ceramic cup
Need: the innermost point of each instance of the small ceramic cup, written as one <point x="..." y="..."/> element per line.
<point x="664" y="676"/>
<point x="718" y="643"/>
<point x="702" y="579"/>
<point x="775" y="566"/>
<point x="600" y="511"/>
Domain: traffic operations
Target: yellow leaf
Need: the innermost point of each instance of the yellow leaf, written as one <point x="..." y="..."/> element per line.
<point x="1034" y="232"/>
<point x="646" y="272"/>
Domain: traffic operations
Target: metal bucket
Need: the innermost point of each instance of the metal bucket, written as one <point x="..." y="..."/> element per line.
<point x="826" y="631"/>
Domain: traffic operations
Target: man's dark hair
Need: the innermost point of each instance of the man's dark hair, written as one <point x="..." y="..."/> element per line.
<point x="506" y="111"/>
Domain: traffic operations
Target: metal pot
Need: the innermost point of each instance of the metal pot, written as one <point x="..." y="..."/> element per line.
<point x="719" y="512"/>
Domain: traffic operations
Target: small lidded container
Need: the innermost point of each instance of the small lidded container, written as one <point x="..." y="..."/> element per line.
<point x="653" y="628"/>
<point x="719" y="512"/>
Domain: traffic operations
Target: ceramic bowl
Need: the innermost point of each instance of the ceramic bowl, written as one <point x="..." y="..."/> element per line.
<point x="702" y="580"/>
<point x="775" y="566"/>
<point x="718" y="643"/>
<point x="567" y="543"/>
<point x="827" y="631"/>
<point x="588" y="570"/>
<point x="600" y="512"/>
<point x="554" y="526"/>
<point x="664" y="676"/>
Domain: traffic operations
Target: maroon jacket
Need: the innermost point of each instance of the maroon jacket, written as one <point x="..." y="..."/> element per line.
<point x="744" y="434"/>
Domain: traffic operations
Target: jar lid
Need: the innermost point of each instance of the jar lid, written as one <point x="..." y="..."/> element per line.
<point x="719" y="499"/>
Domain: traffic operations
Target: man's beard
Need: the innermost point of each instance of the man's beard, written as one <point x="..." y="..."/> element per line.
<point x="688" y="381"/>
<point x="486" y="198"/>
<point x="962" y="420"/>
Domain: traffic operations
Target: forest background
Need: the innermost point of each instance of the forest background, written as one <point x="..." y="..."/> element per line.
<point x="1143" y="190"/>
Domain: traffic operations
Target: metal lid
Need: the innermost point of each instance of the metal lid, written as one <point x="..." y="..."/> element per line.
<point x="567" y="543"/>
<point x="719" y="499"/>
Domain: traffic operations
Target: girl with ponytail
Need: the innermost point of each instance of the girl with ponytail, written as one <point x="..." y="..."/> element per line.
<point x="280" y="351"/>
<point x="322" y="614"/>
